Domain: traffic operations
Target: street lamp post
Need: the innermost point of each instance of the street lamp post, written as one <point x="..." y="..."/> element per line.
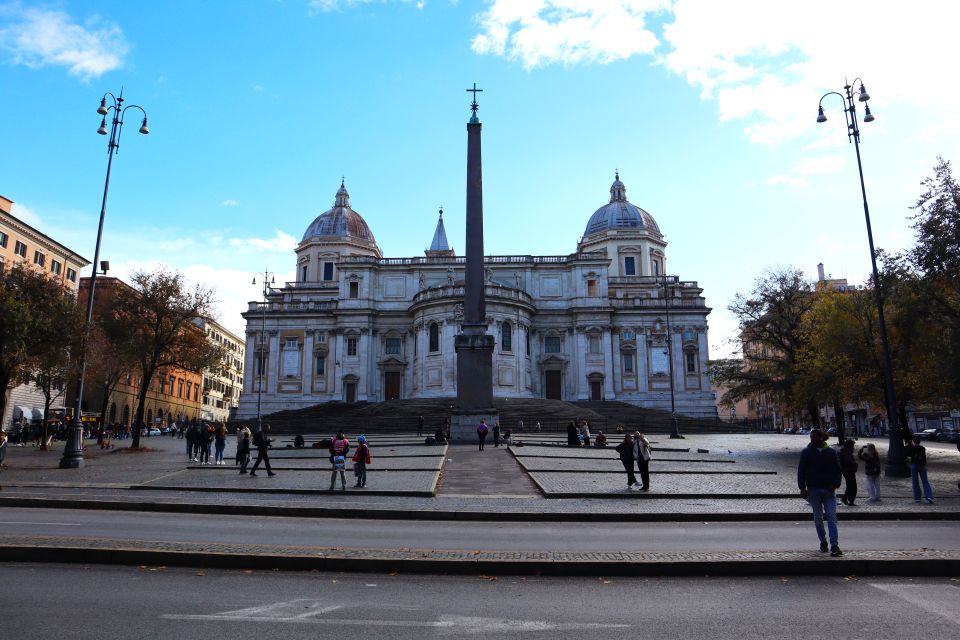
<point x="268" y="279"/>
<point x="674" y="428"/>
<point x="896" y="463"/>
<point x="73" y="451"/>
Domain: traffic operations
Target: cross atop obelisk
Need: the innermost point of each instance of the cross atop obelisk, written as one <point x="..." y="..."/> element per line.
<point x="473" y="105"/>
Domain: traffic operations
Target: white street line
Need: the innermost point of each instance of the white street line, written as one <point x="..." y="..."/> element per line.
<point x="941" y="600"/>
<point x="48" y="524"/>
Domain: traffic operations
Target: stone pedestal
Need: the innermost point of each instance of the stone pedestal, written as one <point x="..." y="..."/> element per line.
<point x="463" y="426"/>
<point x="474" y="371"/>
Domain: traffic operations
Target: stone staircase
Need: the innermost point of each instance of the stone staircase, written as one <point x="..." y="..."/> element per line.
<point x="400" y="416"/>
<point x="646" y="420"/>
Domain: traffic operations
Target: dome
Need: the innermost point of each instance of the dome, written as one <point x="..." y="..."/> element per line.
<point x="620" y="214"/>
<point x="341" y="220"/>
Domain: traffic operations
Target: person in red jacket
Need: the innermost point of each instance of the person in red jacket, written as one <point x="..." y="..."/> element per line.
<point x="361" y="458"/>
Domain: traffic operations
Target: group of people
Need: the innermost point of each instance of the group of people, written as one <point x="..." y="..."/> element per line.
<point x="200" y="437"/>
<point x="499" y="436"/>
<point x="636" y="450"/>
<point x="821" y="471"/>
<point x="579" y="435"/>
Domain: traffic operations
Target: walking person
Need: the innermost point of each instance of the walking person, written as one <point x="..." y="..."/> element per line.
<point x="642" y="452"/>
<point x="361" y="458"/>
<point x="496" y="434"/>
<point x="220" y="443"/>
<point x="917" y="457"/>
<point x="871" y="467"/>
<point x="3" y="448"/>
<point x="818" y="477"/>
<point x="420" y="426"/>
<point x="848" y="466"/>
<point x="243" y="448"/>
<point x="261" y="440"/>
<point x="482" y="432"/>
<point x="625" y="449"/>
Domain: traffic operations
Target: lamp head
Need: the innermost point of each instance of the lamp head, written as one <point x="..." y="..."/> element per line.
<point x="103" y="127"/>
<point x="254" y="281"/>
<point x="143" y="127"/>
<point x="868" y="117"/>
<point x="820" y="115"/>
<point x="864" y="96"/>
<point x="102" y="109"/>
<point x="104" y="266"/>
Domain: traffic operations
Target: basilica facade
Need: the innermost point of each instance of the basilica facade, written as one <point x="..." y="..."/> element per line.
<point x="601" y="323"/>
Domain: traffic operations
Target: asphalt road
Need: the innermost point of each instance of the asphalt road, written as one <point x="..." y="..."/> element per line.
<point x="47" y="601"/>
<point x="666" y="536"/>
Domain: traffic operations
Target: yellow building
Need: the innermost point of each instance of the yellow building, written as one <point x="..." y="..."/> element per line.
<point x="23" y="245"/>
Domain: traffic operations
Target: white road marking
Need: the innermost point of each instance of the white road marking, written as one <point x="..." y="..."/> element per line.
<point x="309" y="612"/>
<point x="48" y="524"/>
<point x="941" y="600"/>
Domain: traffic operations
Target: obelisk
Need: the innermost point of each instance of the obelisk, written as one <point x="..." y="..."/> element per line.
<point x="473" y="344"/>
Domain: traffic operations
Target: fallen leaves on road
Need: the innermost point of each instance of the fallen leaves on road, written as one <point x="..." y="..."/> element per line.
<point x="490" y="578"/>
<point x="201" y="573"/>
<point x="394" y="573"/>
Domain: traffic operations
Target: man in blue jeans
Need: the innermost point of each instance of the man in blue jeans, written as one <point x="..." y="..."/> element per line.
<point x="818" y="476"/>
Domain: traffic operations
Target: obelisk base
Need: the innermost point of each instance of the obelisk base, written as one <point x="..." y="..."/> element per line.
<point x="474" y="386"/>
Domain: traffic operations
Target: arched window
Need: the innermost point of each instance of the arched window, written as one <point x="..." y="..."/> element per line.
<point x="126" y="414"/>
<point x="434" y="337"/>
<point x="506" y="337"/>
<point x="149" y="417"/>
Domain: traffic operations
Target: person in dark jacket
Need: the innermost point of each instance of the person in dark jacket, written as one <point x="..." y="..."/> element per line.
<point x="573" y="435"/>
<point x="916" y="455"/>
<point x="818" y="477"/>
<point x="262" y="442"/>
<point x="625" y="449"/>
<point x="848" y="466"/>
<point x="496" y="434"/>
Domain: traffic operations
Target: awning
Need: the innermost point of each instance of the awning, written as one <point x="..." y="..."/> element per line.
<point x="19" y="412"/>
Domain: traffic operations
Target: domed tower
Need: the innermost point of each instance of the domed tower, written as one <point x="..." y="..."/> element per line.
<point x="628" y="234"/>
<point x="335" y="233"/>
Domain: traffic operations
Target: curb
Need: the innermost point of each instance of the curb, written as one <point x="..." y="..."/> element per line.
<point x="283" y="491"/>
<point x="414" y="561"/>
<point x="460" y="515"/>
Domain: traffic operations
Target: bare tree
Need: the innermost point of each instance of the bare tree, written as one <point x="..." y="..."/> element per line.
<point x="158" y="315"/>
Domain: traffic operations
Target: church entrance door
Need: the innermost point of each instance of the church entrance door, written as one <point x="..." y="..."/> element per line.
<point x="391" y="385"/>
<point x="351" y="391"/>
<point x="596" y="390"/>
<point x="554" y="384"/>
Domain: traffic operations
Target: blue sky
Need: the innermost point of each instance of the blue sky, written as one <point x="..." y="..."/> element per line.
<point x="258" y="108"/>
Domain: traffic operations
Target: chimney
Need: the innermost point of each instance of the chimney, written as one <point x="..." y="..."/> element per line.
<point x="820" y="277"/>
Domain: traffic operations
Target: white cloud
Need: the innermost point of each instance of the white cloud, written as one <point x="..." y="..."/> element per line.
<point x="279" y="242"/>
<point x="38" y="38"/>
<point x="542" y="32"/>
<point x="787" y="180"/>
<point x="764" y="63"/>
<point x="820" y="165"/>
<point x="27" y="215"/>
<point x="229" y="202"/>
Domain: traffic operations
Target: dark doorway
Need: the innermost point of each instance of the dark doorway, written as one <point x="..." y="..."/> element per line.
<point x="351" y="391"/>
<point x="391" y="385"/>
<point x="554" y="385"/>
<point x="596" y="390"/>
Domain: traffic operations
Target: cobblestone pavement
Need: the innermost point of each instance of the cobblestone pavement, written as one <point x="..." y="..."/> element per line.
<point x="602" y="562"/>
<point x="492" y="472"/>
<point x="106" y="476"/>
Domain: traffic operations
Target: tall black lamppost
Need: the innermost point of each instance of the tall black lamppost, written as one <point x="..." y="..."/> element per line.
<point x="674" y="428"/>
<point x="896" y="464"/>
<point x="267" y="279"/>
<point x="73" y="451"/>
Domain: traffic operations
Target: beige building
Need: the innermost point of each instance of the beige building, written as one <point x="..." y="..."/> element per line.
<point x="23" y="245"/>
<point x="221" y="388"/>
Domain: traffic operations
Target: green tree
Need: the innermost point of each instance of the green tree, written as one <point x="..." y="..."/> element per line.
<point x="29" y="304"/>
<point x="158" y="314"/>
<point x="771" y="335"/>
